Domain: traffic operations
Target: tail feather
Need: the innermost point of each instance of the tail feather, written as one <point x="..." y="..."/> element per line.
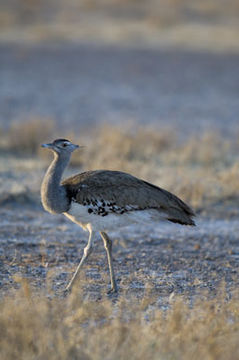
<point x="181" y="222"/>
<point x="177" y="210"/>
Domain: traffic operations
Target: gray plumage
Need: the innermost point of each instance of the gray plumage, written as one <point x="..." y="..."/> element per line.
<point x="102" y="200"/>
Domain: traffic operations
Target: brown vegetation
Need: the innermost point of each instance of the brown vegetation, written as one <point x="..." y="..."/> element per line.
<point x="164" y="12"/>
<point x="205" y="24"/>
<point x="33" y="326"/>
<point x="25" y="137"/>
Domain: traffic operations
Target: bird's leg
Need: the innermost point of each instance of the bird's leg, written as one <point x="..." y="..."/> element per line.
<point x="108" y="248"/>
<point x="87" y="252"/>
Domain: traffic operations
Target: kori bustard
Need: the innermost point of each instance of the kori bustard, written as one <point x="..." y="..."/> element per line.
<point x="105" y="200"/>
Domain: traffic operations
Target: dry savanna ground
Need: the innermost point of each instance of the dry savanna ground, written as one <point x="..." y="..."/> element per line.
<point x="178" y="296"/>
<point x="36" y="324"/>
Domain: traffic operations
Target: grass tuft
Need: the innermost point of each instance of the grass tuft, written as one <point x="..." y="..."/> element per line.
<point x="36" y="326"/>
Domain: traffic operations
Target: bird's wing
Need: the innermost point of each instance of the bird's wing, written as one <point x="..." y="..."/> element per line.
<point x="120" y="192"/>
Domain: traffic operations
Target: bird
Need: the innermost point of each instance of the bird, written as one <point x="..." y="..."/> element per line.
<point x="104" y="200"/>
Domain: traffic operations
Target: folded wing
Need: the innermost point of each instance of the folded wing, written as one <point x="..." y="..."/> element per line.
<point x="119" y="192"/>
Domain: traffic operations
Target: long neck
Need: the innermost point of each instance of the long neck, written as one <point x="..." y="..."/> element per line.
<point x="53" y="195"/>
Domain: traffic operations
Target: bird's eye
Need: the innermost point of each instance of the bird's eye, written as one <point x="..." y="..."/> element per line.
<point x="64" y="144"/>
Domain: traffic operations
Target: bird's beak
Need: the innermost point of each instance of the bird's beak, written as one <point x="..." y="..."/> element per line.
<point x="79" y="146"/>
<point x="46" y="145"/>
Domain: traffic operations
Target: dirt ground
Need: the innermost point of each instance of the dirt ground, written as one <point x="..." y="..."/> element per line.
<point x="171" y="259"/>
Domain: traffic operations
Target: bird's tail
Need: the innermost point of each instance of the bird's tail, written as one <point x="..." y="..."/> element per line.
<point x="182" y="217"/>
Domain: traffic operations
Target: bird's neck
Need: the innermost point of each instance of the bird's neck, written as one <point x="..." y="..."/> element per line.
<point x="53" y="195"/>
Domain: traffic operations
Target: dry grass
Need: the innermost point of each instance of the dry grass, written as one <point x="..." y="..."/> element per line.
<point x="32" y="326"/>
<point x="207" y="24"/>
<point x="163" y="12"/>
<point x="25" y="137"/>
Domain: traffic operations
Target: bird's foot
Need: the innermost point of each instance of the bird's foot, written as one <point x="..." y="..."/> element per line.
<point x="66" y="291"/>
<point x="112" y="291"/>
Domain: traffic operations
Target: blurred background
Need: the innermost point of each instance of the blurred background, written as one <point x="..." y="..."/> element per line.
<point x="150" y="87"/>
<point x="166" y="62"/>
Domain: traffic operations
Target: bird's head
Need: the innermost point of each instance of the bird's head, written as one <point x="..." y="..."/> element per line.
<point x="61" y="146"/>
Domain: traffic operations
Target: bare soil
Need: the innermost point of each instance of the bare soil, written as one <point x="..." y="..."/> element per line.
<point x="169" y="258"/>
